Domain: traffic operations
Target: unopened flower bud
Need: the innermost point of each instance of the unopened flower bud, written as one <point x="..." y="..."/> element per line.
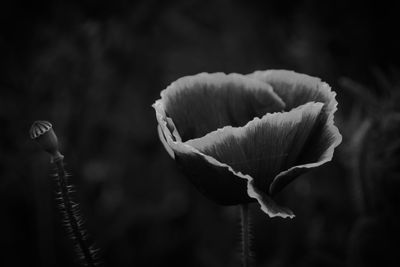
<point x="43" y="133"/>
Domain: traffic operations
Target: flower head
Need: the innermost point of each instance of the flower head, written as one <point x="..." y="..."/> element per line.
<point x="243" y="138"/>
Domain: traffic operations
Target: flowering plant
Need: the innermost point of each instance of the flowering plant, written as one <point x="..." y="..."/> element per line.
<point x="243" y="138"/>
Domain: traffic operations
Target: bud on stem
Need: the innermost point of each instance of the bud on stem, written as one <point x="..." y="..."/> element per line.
<point x="43" y="133"/>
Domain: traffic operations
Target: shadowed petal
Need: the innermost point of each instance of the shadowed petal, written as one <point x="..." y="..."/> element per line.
<point x="209" y="176"/>
<point x="205" y="102"/>
<point x="267" y="204"/>
<point x="264" y="147"/>
<point x="318" y="149"/>
<point x="296" y="89"/>
<point x="164" y="142"/>
<point x="224" y="185"/>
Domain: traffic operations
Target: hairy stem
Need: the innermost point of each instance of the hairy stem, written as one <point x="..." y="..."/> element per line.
<point x="246" y="250"/>
<point x="72" y="219"/>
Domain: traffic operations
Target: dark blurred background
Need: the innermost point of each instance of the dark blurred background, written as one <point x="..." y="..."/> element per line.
<point x="94" y="68"/>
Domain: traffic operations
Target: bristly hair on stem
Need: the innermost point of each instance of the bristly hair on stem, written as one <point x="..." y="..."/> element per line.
<point x="72" y="219"/>
<point x="246" y="236"/>
<point x="43" y="133"/>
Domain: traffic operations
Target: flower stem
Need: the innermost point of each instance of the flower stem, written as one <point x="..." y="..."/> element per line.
<point x="43" y="133"/>
<point x="246" y="250"/>
<point x="72" y="219"/>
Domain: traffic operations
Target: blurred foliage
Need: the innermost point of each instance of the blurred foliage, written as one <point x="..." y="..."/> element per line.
<point x="375" y="148"/>
<point x="93" y="70"/>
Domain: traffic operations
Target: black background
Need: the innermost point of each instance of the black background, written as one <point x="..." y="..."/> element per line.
<point x="94" y="68"/>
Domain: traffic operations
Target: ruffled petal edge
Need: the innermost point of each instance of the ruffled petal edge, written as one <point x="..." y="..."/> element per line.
<point x="218" y="79"/>
<point x="292" y="77"/>
<point x="267" y="204"/>
<point x="236" y="98"/>
<point x="327" y="156"/>
<point x="330" y="107"/>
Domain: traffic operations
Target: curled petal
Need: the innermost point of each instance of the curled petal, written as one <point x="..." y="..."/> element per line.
<point x="209" y="176"/>
<point x="205" y="102"/>
<point x="223" y="184"/>
<point x="268" y="205"/>
<point x="296" y="89"/>
<point x="264" y="147"/>
<point x="323" y="139"/>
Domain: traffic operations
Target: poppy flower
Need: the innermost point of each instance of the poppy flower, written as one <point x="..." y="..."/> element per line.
<point x="243" y="138"/>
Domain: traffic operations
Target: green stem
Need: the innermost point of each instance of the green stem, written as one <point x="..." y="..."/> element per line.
<point x="244" y="216"/>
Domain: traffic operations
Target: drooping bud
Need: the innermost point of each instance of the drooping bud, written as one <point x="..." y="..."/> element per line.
<point x="43" y="133"/>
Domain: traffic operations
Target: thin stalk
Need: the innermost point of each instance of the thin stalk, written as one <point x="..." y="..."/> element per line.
<point x="246" y="245"/>
<point x="71" y="217"/>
